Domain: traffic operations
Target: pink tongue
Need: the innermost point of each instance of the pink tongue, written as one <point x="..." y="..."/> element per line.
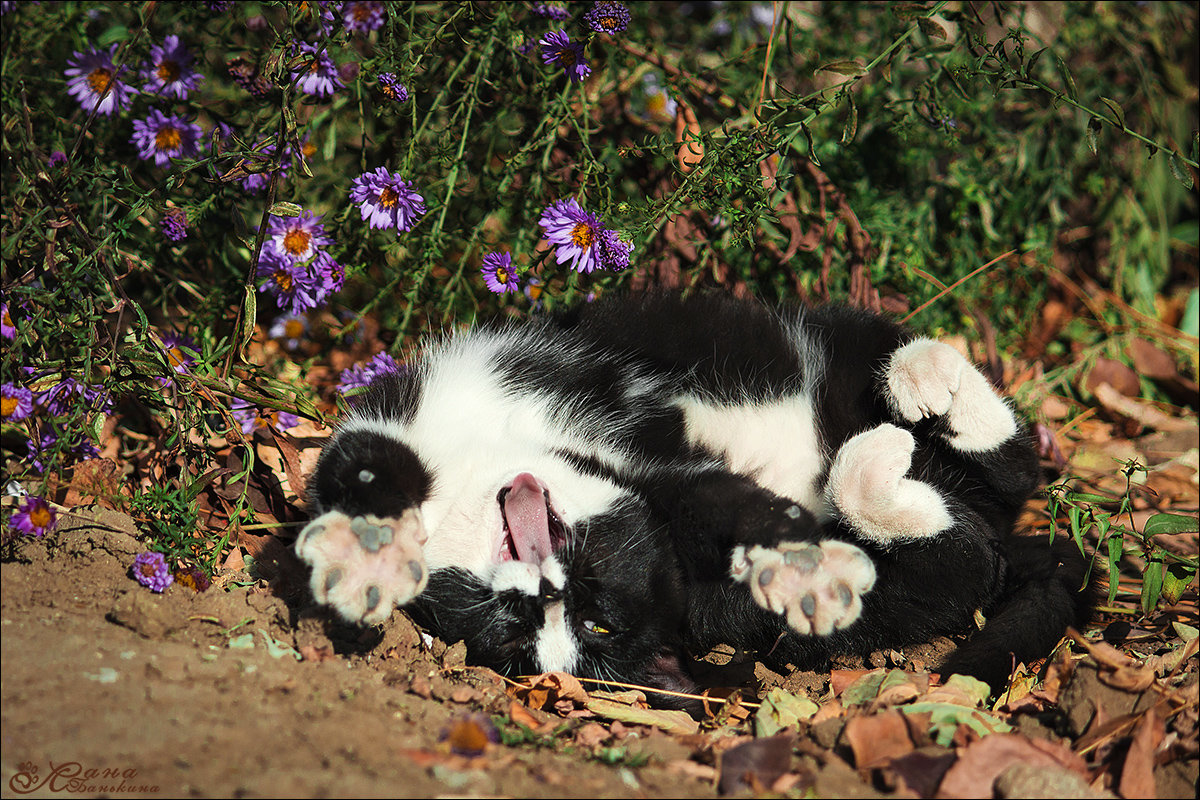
<point x="525" y="511"/>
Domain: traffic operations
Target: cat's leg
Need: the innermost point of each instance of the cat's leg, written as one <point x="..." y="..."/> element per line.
<point x="364" y="566"/>
<point x="929" y="380"/>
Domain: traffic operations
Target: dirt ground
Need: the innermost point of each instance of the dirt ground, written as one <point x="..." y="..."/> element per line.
<point x="112" y="690"/>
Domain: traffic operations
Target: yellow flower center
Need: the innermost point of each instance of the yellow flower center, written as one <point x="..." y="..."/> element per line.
<point x="388" y="198"/>
<point x="175" y="357"/>
<point x="283" y="280"/>
<point x="293" y="329"/>
<point x="168" y="138"/>
<point x="566" y="57"/>
<point x="168" y="71"/>
<point x="296" y="241"/>
<point x="40" y="517"/>
<point x="360" y="11"/>
<point x="502" y="274"/>
<point x="582" y="235"/>
<point x="99" y="79"/>
<point x="8" y="406"/>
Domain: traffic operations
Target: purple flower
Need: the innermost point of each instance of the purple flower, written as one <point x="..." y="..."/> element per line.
<point x="360" y="376"/>
<point x="57" y="159"/>
<point x="297" y="238"/>
<point x="292" y="328"/>
<point x="179" y="352"/>
<point x="551" y="11"/>
<point x="557" y="48"/>
<point x="34" y="517"/>
<point x="362" y="16"/>
<point x="162" y="138"/>
<point x="386" y="200"/>
<point x="608" y="17"/>
<point x="150" y="570"/>
<point x="498" y="273"/>
<point x="255" y="182"/>
<point x="169" y="72"/>
<point x="533" y="292"/>
<point x="94" y="82"/>
<point x="294" y="286"/>
<point x="174" y="225"/>
<point x="16" y="402"/>
<point x="392" y="89"/>
<point x="252" y="418"/>
<point x="63" y="396"/>
<point x="7" y="329"/>
<point x="318" y="75"/>
<point x="581" y="239"/>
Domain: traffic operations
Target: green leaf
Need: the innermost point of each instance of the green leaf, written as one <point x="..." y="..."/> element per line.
<point x="1152" y="582"/>
<point x="285" y="209"/>
<point x="945" y="719"/>
<point x="1115" y="550"/>
<point x="851" y="127"/>
<point x="1170" y="523"/>
<point x="1176" y="578"/>
<point x="1180" y="171"/>
<point x="843" y="68"/>
<point x="1093" y="135"/>
<point x="863" y="690"/>
<point x="1116" y="109"/>
<point x="781" y="710"/>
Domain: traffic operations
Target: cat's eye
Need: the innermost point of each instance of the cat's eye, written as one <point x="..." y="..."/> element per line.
<point x="594" y="628"/>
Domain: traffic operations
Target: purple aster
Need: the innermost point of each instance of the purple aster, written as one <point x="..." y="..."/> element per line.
<point x="162" y="138"/>
<point x="294" y="286"/>
<point x="581" y="239"/>
<point x="392" y="89"/>
<point x="317" y="75"/>
<point x="63" y="396"/>
<point x="498" y="273"/>
<point x="179" y="350"/>
<point x="16" y="402"/>
<point x="7" y="329"/>
<point x="150" y="570"/>
<point x="551" y="11"/>
<point x="386" y="200"/>
<point x="34" y="517"/>
<point x="360" y="376"/>
<point x="292" y="328"/>
<point x="297" y="238"/>
<point x="174" y="225"/>
<point x="255" y="182"/>
<point x="608" y="17"/>
<point x="533" y="292"/>
<point x="170" y="73"/>
<point x="57" y="159"/>
<point x="252" y="418"/>
<point x="42" y="446"/>
<point x="557" y="48"/>
<point x="362" y="16"/>
<point x="93" y="81"/>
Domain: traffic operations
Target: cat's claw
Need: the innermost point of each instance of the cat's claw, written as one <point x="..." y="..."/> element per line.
<point x="818" y="588"/>
<point x="363" y="567"/>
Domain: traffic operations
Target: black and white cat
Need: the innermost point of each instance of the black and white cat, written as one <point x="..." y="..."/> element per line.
<point x="613" y="490"/>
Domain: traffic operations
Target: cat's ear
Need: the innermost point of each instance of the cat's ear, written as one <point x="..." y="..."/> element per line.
<point x="666" y="671"/>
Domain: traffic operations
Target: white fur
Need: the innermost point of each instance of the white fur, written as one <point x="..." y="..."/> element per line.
<point x="556" y="647"/>
<point x="475" y="436"/>
<point x="868" y="487"/>
<point x="773" y="442"/>
<point x="928" y="378"/>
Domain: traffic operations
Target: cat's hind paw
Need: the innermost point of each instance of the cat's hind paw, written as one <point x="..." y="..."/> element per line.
<point x="818" y="588"/>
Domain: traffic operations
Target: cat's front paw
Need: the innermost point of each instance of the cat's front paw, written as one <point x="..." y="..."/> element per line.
<point x="817" y="587"/>
<point x="926" y="378"/>
<point x="365" y="566"/>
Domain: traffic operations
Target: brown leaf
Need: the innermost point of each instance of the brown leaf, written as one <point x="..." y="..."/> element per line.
<point x="1151" y="361"/>
<point x="551" y="689"/>
<point x="981" y="763"/>
<point x="877" y="738"/>
<point x="1115" y="374"/>
<point x="1137" y="774"/>
<point x="530" y="718"/>
<point x="921" y="770"/>
<point x="755" y="765"/>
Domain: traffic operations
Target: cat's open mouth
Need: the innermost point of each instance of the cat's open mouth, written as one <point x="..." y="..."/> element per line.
<point x="532" y="529"/>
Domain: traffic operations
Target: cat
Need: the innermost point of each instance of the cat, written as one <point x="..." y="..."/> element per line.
<point x="615" y="489"/>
